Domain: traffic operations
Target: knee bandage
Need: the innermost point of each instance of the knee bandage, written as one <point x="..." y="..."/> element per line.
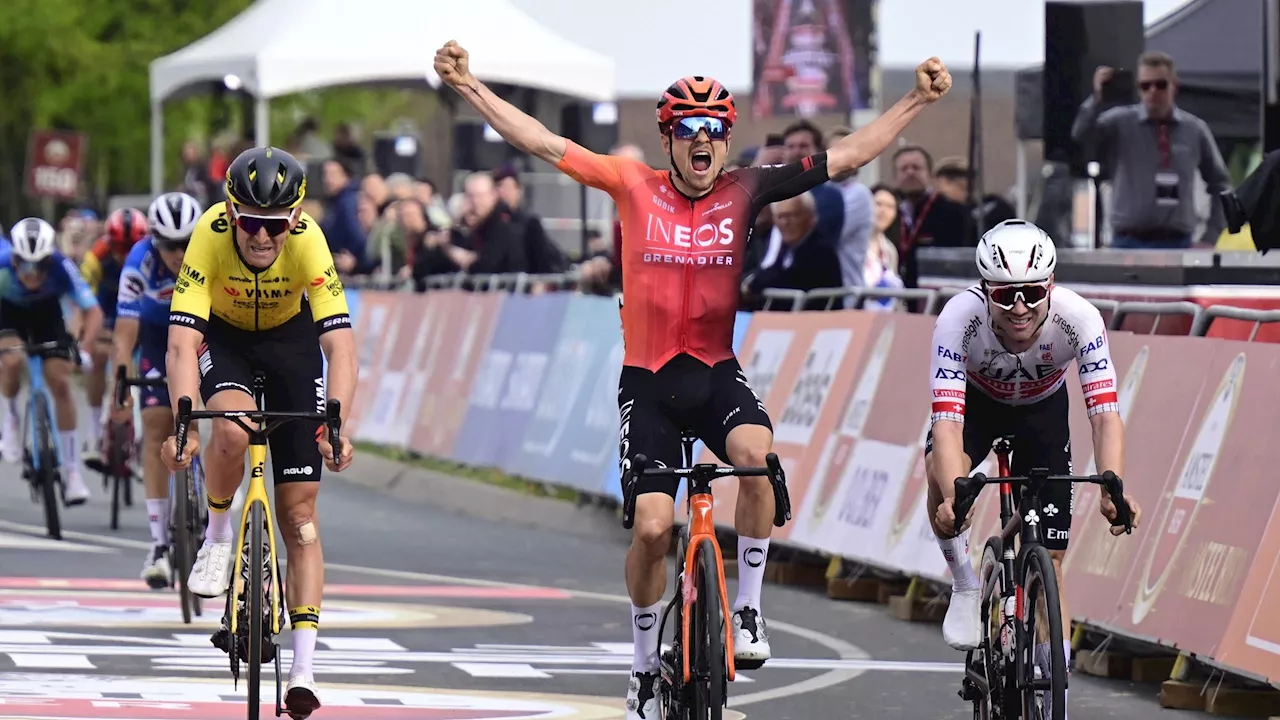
<point x="306" y="533"/>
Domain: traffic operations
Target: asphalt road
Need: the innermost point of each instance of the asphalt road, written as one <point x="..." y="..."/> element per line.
<point x="434" y="615"/>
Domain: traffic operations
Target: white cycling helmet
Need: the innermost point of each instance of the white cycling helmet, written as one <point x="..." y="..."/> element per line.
<point x="32" y="239"/>
<point x="173" y="216"/>
<point x="1016" y="251"/>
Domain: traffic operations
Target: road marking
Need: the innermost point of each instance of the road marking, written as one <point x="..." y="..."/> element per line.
<point x="363" y="591"/>
<point x="51" y="661"/>
<point x="219" y="665"/>
<point x="16" y="541"/>
<point x="364" y="644"/>
<point x="500" y="670"/>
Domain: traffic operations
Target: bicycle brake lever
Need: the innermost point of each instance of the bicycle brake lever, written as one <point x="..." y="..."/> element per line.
<point x="121" y="388"/>
<point x="333" y="418"/>
<point x="1115" y="489"/>
<point x="629" y="482"/>
<point x="781" y="496"/>
<point x="967" y="490"/>
<point x="184" y="420"/>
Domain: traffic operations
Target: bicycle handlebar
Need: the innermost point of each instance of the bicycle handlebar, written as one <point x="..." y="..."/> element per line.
<point x="708" y="472"/>
<point x="967" y="489"/>
<point x="331" y="417"/>
<point x="124" y="382"/>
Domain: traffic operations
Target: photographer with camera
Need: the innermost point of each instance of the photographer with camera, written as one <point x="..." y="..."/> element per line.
<point x="1155" y="150"/>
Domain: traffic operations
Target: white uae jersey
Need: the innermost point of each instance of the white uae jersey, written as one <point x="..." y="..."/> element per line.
<point x="966" y="352"/>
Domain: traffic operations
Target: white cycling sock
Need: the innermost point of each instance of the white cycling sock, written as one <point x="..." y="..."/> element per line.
<point x="644" y="632"/>
<point x="158" y="517"/>
<point x="219" y="529"/>
<point x="956" y="552"/>
<point x="9" y="407"/>
<point x="95" y="426"/>
<point x="70" y="449"/>
<point x="752" y="555"/>
<point x="304" y="625"/>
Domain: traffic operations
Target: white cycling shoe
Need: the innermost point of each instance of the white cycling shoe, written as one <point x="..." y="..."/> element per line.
<point x="10" y="443"/>
<point x="156" y="570"/>
<point x="74" y="491"/>
<point x="301" y="698"/>
<point x="962" y="627"/>
<point x="750" y="639"/>
<point x="642" y="696"/>
<point x="211" y="573"/>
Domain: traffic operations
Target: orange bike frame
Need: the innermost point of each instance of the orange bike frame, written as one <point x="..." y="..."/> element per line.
<point x="702" y="528"/>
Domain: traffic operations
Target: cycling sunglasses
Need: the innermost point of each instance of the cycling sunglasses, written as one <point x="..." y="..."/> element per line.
<point x="274" y="224"/>
<point x="173" y="245"/>
<point x="687" y="128"/>
<point x="26" y="267"/>
<point x="1006" y="296"/>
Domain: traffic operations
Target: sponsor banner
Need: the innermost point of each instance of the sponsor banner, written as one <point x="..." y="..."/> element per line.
<point x="589" y="444"/>
<point x="612" y="485"/>
<point x="508" y="379"/>
<point x="379" y="315"/>
<point x="587" y="340"/>
<point x="796" y="364"/>
<point x="55" y="159"/>
<point x="412" y="343"/>
<point x="464" y="323"/>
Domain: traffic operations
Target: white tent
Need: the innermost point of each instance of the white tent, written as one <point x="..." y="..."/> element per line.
<point x="278" y="47"/>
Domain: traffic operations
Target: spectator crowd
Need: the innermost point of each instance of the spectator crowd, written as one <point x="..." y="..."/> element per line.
<point x="401" y="229"/>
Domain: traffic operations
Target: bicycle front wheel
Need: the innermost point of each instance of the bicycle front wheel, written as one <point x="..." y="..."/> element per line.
<point x="1043" y="697"/>
<point x="183" y="550"/>
<point x="47" y="467"/>
<point x="707" y="641"/>
<point x="254" y="606"/>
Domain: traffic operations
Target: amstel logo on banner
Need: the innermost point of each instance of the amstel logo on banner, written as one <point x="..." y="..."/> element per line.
<point x="838" y="448"/>
<point x="1180" y="512"/>
<point x="54" y="159"/>
<point x="1088" y="496"/>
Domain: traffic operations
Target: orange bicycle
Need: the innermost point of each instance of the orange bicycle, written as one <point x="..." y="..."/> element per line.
<point x="696" y="670"/>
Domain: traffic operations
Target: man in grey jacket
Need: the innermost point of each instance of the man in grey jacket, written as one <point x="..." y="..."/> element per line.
<point x="1155" y="149"/>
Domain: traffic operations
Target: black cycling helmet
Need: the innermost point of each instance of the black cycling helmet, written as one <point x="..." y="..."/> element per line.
<point x="266" y="177"/>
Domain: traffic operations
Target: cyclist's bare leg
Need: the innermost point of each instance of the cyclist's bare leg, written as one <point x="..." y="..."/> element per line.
<point x="11" y="364"/>
<point x="95" y="386"/>
<point x="954" y="542"/>
<point x="157" y="426"/>
<point x="747" y="446"/>
<point x="304" y="582"/>
<point x="224" y="461"/>
<point x="646" y="572"/>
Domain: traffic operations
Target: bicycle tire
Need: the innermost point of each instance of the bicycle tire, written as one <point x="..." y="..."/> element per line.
<point x="1037" y="572"/>
<point x="707" y="653"/>
<point x="1001" y="699"/>
<point x="115" y="464"/>
<point x="183" y="553"/>
<point x="254" y="608"/>
<point x="48" y="468"/>
<point x="198" y="520"/>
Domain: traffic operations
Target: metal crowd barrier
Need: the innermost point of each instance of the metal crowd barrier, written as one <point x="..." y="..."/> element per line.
<point x="1200" y="327"/>
<point x="799" y="299"/>
<point x="1156" y="309"/>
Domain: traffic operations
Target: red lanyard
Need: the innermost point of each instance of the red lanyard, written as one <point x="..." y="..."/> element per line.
<point x="912" y="231"/>
<point x="1162" y="139"/>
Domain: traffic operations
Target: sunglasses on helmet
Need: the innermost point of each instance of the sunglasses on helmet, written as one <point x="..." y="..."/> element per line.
<point x="688" y="128"/>
<point x="273" y="224"/>
<point x="1006" y="296"/>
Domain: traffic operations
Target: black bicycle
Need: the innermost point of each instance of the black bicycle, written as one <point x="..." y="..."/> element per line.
<point x="255" y="603"/>
<point x="696" y="671"/>
<point x="188" y="511"/>
<point x="1019" y="593"/>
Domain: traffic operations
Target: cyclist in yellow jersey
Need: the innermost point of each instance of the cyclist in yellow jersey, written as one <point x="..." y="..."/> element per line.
<point x="238" y="307"/>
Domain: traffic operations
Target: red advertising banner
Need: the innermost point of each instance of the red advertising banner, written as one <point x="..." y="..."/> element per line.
<point x="376" y="311"/>
<point x="55" y="159"/>
<point x="812" y="57"/>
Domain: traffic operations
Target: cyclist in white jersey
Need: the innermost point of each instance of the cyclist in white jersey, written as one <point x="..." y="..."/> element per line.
<point x="1001" y="354"/>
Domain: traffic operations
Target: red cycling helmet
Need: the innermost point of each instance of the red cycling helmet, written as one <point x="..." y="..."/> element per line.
<point x="124" y="227"/>
<point x="695" y="96"/>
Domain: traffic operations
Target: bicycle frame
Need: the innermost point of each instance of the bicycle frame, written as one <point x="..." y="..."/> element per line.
<point x="257" y="493"/>
<point x="701" y="527"/>
<point x="37" y="391"/>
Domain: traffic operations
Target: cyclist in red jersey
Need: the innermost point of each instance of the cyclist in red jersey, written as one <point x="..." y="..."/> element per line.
<point x="685" y="231"/>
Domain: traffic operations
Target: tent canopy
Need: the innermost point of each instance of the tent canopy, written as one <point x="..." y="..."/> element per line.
<point x="278" y="47"/>
<point x="1217" y="47"/>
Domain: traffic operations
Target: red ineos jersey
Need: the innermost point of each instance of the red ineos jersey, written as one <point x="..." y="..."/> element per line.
<point x="681" y="257"/>
<point x="966" y="351"/>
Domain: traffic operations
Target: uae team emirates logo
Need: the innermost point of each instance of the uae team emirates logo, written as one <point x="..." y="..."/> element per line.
<point x="1180" y="513"/>
<point x="1088" y="495"/>
<point x="857" y="408"/>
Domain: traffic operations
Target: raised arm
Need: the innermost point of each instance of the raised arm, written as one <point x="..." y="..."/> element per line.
<point x="933" y="80"/>
<point x="515" y="126"/>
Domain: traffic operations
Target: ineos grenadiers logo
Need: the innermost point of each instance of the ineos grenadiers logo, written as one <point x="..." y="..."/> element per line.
<point x="659" y="230"/>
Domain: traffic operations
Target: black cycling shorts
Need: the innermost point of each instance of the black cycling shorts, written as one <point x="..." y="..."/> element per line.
<point x="40" y="322"/>
<point x="290" y="358"/>
<point x="685" y="395"/>
<point x="1041" y="438"/>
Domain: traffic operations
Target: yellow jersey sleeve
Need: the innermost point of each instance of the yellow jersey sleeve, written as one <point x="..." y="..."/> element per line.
<point x="91" y="270"/>
<point x="325" y="293"/>
<point x="191" y="297"/>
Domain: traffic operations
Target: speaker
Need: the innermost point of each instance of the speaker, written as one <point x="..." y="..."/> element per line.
<point x="1079" y="36"/>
